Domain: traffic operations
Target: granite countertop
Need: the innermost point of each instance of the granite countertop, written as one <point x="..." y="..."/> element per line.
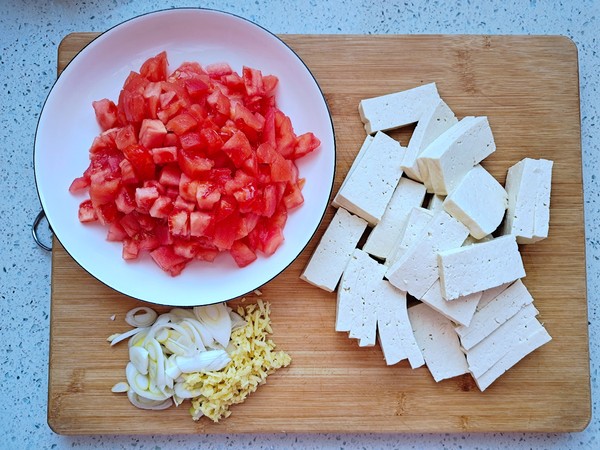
<point x="30" y="31"/>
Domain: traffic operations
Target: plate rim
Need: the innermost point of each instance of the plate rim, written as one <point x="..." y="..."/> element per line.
<point x="159" y="12"/>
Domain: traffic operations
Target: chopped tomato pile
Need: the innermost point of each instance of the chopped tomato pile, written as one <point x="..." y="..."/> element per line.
<point x="192" y="164"/>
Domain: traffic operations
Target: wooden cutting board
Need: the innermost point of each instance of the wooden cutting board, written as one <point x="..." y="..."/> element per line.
<point x="528" y="86"/>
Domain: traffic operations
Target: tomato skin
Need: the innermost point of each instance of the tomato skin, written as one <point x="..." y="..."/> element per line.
<point x="193" y="164"/>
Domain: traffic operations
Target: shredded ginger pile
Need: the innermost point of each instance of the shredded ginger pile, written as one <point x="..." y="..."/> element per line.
<point x="252" y="360"/>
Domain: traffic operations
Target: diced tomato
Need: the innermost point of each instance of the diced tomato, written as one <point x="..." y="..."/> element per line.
<point x="145" y="198"/>
<point x="170" y="175"/>
<point x="200" y="222"/>
<point x="238" y="148"/>
<point x="182" y="123"/>
<point x="217" y="70"/>
<point x="152" y="133"/>
<point x="242" y="254"/>
<point x="131" y="249"/>
<point x="179" y="223"/>
<point x="305" y="143"/>
<point x="106" y="113"/>
<point x="164" y="155"/>
<point x="86" y="212"/>
<point x="116" y="233"/>
<point x="253" y="80"/>
<point x="168" y="260"/>
<point x="79" y="184"/>
<point x="192" y="164"/>
<point x="141" y="160"/>
<point x="155" y="69"/>
<point x="125" y="137"/>
<point x="207" y="194"/>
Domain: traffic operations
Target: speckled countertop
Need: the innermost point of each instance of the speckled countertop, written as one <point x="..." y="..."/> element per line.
<point x="30" y="31"/>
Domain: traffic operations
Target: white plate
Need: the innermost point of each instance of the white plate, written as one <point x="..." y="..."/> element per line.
<point x="67" y="126"/>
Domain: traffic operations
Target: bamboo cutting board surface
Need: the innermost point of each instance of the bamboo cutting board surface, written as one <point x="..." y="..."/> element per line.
<point x="528" y="87"/>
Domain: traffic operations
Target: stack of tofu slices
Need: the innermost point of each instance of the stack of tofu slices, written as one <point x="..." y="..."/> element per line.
<point x="458" y="255"/>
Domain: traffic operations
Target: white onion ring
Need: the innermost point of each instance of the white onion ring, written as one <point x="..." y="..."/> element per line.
<point x="142" y="316"/>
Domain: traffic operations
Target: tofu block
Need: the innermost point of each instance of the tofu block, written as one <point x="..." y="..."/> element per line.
<point x="488" y="352"/>
<point x="460" y="311"/>
<point x="450" y="157"/>
<point x="532" y="342"/>
<point x="528" y="185"/>
<point x="491" y="314"/>
<point x="434" y="121"/>
<point x="491" y="294"/>
<point x="417" y="269"/>
<point x="381" y="240"/>
<point x="361" y="152"/>
<point x="438" y="343"/>
<point x="333" y="251"/>
<point x="357" y="299"/>
<point x="398" y="109"/>
<point x="415" y="224"/>
<point x="475" y="268"/>
<point x="370" y="186"/>
<point x="436" y="203"/>
<point x="478" y="201"/>
<point x="394" y="329"/>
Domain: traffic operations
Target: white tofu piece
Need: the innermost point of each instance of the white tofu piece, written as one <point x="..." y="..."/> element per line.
<point x="438" y="343"/>
<point x="415" y="224"/>
<point x="393" y="327"/>
<point x="528" y="185"/>
<point x="361" y="152"/>
<point x="475" y="268"/>
<point x="356" y="299"/>
<point x="436" y="203"/>
<point x="460" y="310"/>
<point x="371" y="185"/>
<point x="333" y="251"/>
<point x="532" y="342"/>
<point x="398" y="109"/>
<point x="478" y="201"/>
<point x="417" y="269"/>
<point x="488" y="352"/>
<point x="455" y="152"/>
<point x="493" y="313"/>
<point x="434" y="121"/>
<point x="491" y="294"/>
<point x="387" y="232"/>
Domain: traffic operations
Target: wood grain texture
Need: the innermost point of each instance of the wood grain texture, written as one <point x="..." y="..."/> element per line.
<point x="528" y="87"/>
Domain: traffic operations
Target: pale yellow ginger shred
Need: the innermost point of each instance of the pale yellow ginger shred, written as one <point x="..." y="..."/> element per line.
<point x="253" y="359"/>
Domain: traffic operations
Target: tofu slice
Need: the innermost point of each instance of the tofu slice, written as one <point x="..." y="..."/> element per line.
<point x="475" y="268"/>
<point x="381" y="240"/>
<point x="438" y="343"/>
<point x="523" y="348"/>
<point x="436" y="203"/>
<point x="528" y="185"/>
<point x="333" y="251"/>
<point x="415" y="224"/>
<point x="357" y="299"/>
<point x="455" y="152"/>
<point x="491" y="314"/>
<point x="488" y="352"/>
<point x="417" y="269"/>
<point x="478" y="201"/>
<point x="398" y="109"/>
<point x="437" y="119"/>
<point x="370" y="186"/>
<point x="361" y="152"/>
<point x="393" y="327"/>
<point x="460" y="311"/>
<point x="491" y="294"/>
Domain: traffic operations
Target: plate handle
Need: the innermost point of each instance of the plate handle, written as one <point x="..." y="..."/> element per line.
<point x="41" y="215"/>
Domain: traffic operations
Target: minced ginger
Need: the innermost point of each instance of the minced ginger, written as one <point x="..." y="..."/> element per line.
<point x="253" y="358"/>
